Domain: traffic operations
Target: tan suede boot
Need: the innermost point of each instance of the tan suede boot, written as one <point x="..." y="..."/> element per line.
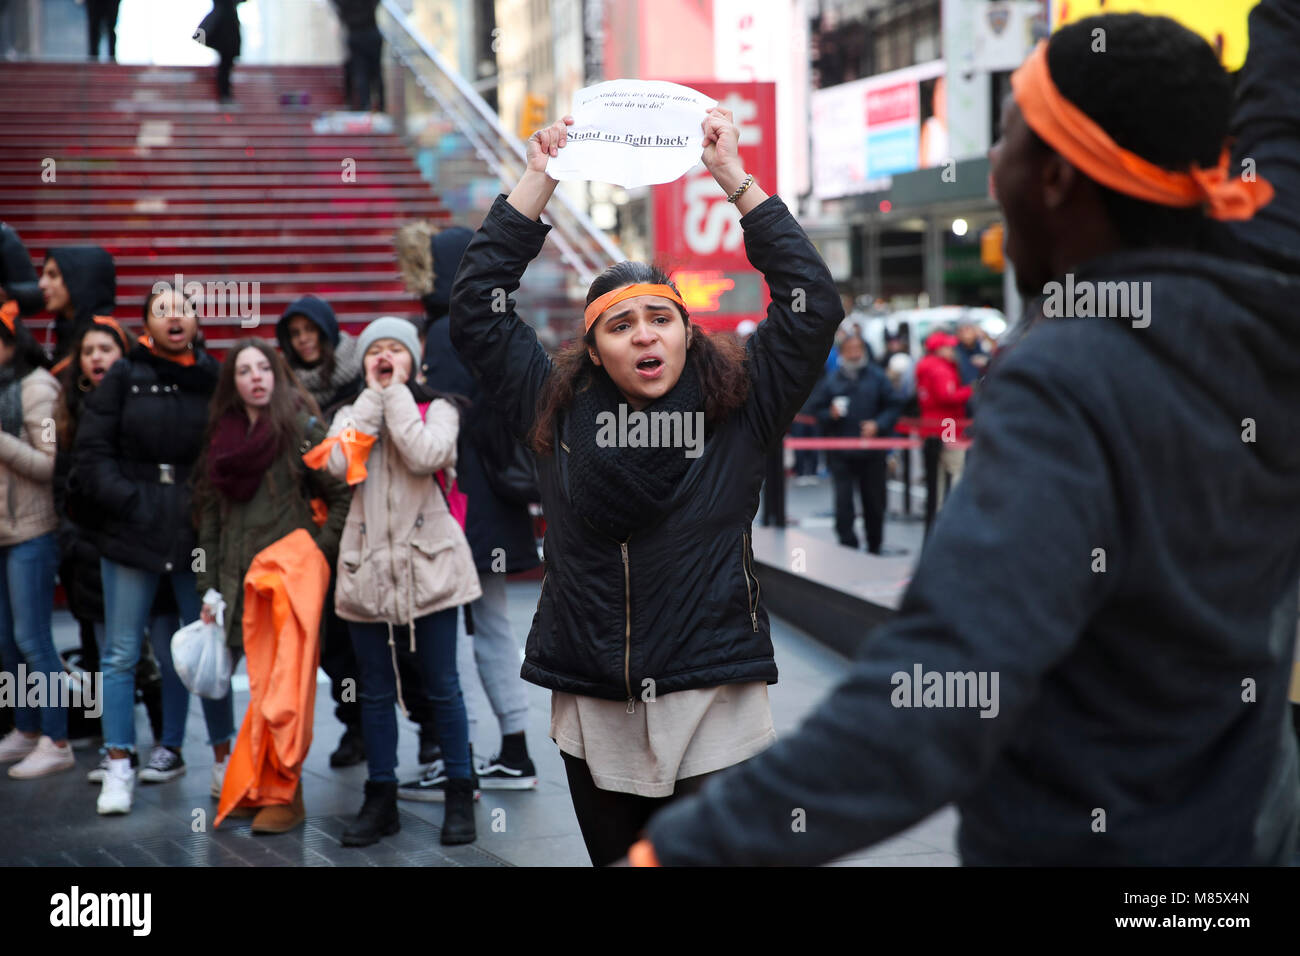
<point x="281" y="817"/>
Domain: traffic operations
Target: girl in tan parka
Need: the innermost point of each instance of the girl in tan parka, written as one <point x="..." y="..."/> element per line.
<point x="404" y="568"/>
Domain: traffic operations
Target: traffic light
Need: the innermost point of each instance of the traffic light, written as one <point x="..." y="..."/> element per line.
<point x="532" y="116"/>
<point x="991" y="247"/>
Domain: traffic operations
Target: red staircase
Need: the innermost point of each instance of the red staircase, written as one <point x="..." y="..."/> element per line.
<point x="149" y="166"/>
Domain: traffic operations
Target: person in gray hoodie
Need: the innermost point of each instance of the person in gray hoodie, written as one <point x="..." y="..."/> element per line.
<point x="1092" y="658"/>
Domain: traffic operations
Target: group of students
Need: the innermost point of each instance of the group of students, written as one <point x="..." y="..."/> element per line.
<point x="170" y="476"/>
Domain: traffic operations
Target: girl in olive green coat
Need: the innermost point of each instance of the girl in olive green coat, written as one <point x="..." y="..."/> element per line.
<point x="252" y="487"/>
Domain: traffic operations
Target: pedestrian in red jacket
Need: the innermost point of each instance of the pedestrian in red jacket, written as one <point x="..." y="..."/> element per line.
<point x="943" y="400"/>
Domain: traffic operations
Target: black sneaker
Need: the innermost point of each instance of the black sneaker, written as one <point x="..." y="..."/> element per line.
<point x="163" y="765"/>
<point x="432" y="785"/>
<point x="503" y="773"/>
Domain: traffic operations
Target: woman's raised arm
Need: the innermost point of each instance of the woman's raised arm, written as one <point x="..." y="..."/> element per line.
<point x="787" y="352"/>
<point x="500" y="349"/>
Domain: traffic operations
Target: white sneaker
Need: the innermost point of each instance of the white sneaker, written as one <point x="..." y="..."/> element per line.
<point x="119" y="781"/>
<point x="219" y="777"/>
<point x="45" y="759"/>
<point x="101" y="768"/>
<point x="15" y="746"/>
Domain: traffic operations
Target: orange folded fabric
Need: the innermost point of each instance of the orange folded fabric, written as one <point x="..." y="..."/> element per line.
<point x="1077" y="137"/>
<point x="356" y="449"/>
<point x="642" y="853"/>
<point x="284" y="598"/>
<point x="9" y="314"/>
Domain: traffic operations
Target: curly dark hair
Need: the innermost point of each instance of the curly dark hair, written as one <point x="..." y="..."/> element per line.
<point x="719" y="361"/>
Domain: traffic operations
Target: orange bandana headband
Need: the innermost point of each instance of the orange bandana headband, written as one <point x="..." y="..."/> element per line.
<point x="111" y="324"/>
<point x="627" y="292"/>
<point x="1077" y="137"/>
<point x="8" y="315"/>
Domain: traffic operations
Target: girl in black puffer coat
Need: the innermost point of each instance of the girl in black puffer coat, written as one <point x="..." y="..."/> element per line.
<point x="141" y="431"/>
<point x="93" y="351"/>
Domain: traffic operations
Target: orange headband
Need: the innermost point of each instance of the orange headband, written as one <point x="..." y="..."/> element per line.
<point x="8" y="313"/>
<point x="111" y="323"/>
<point x="1073" y="134"/>
<point x="628" y="291"/>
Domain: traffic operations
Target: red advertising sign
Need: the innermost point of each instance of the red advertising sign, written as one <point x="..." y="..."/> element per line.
<point x="697" y="232"/>
<point x="892" y="103"/>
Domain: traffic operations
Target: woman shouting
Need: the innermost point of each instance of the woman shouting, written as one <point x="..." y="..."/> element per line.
<point x="650" y="630"/>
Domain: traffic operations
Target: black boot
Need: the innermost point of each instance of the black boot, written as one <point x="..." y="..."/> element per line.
<point x="378" y="816"/>
<point x="458" y="818"/>
<point x="351" y="749"/>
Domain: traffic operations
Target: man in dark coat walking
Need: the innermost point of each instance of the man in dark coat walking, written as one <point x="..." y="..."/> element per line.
<point x="365" y="46"/>
<point x="220" y="31"/>
<point x="857" y="401"/>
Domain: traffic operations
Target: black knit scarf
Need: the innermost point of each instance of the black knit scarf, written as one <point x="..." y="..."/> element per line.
<point x="620" y="489"/>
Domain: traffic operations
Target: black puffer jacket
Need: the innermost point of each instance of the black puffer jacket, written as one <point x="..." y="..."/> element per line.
<point x="91" y="281"/>
<point x="677" y="603"/>
<point x="147" y="412"/>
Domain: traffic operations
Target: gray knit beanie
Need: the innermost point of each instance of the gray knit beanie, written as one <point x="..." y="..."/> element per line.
<point x="391" y="327"/>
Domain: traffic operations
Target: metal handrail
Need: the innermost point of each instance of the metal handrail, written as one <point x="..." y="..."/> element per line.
<point x="582" y="245"/>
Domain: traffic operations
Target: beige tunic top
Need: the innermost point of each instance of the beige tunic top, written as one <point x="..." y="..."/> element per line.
<point x="679" y="735"/>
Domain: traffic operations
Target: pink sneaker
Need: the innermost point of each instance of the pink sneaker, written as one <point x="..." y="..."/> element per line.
<point x="15" y="746"/>
<point x="46" y="759"/>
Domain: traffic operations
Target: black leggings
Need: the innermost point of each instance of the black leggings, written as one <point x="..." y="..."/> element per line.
<point x="612" y="821"/>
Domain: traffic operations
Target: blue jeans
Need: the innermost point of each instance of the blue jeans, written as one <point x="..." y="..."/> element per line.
<point x="128" y="598"/>
<point x="26" y="603"/>
<point x="435" y="649"/>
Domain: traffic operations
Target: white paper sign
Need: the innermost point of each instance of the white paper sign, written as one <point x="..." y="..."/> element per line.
<point x="633" y="133"/>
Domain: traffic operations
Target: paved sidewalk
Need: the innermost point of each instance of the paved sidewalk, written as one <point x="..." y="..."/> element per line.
<point x="53" y="821"/>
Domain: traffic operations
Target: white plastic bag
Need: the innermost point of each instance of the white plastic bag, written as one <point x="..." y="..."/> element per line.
<point x="200" y="655"/>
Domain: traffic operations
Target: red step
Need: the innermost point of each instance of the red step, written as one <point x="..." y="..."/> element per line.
<point x="247" y="194"/>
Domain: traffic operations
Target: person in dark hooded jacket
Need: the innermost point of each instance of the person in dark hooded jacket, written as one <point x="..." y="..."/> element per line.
<point x="324" y="360"/>
<point x="327" y="363"/>
<point x="500" y="532"/>
<point x="17" y="277"/>
<point x="78" y="282"/>
<point x="1111" y="569"/>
